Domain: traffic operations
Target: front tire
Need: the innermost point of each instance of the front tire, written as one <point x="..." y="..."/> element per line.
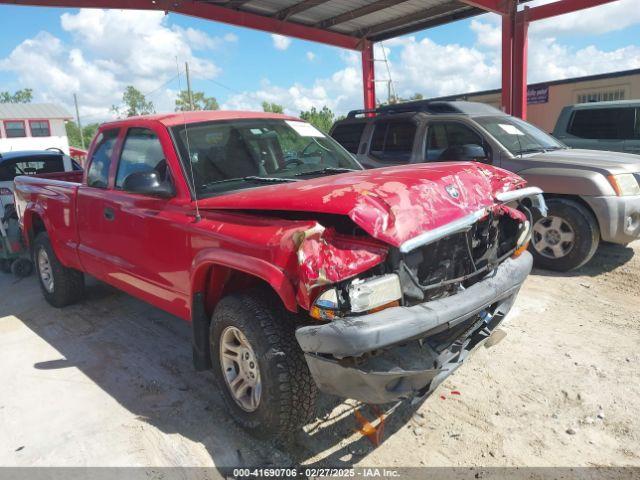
<point x="567" y="238"/>
<point x="258" y="365"/>
<point x="61" y="286"/>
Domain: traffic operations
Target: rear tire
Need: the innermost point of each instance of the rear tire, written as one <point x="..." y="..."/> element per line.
<point x="61" y="286"/>
<point x="565" y="240"/>
<point x="286" y="392"/>
<point x="22" y="267"/>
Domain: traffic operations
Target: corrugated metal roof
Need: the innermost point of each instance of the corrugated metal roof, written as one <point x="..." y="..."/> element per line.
<point x="19" y="111"/>
<point x="371" y="19"/>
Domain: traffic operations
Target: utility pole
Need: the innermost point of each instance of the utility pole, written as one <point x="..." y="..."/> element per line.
<point x="75" y="100"/>
<point x="186" y="64"/>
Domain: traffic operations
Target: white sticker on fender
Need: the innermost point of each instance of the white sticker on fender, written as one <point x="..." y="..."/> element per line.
<point x="304" y="129"/>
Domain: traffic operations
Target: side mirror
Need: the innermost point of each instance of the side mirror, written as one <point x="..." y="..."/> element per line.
<point x="148" y="183"/>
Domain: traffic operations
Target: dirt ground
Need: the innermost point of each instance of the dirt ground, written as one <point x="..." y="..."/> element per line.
<point x="109" y="382"/>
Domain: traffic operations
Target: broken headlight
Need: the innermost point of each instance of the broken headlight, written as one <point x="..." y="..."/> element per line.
<point x="364" y="295"/>
<point x="370" y="294"/>
<point x="524" y="236"/>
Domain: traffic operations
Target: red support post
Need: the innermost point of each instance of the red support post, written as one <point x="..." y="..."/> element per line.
<point x="508" y="22"/>
<point x="520" y="65"/>
<point x="368" y="76"/>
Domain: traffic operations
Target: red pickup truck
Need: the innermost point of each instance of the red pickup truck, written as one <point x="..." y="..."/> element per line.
<point x="297" y="269"/>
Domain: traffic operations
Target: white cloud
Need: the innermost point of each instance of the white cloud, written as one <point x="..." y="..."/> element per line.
<point x="592" y="21"/>
<point x="280" y="42"/>
<point x="434" y="69"/>
<point x="111" y="49"/>
<point x="311" y="56"/>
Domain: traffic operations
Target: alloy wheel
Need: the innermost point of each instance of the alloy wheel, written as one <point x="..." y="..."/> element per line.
<point x="240" y="369"/>
<point x="553" y="237"/>
<point x="44" y="268"/>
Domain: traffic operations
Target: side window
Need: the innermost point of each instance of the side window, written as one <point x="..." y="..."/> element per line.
<point x="39" y="165"/>
<point x="393" y="141"/>
<point x="445" y="141"/>
<point x="141" y="152"/>
<point x="348" y="135"/>
<point x="603" y="123"/>
<point x="98" y="175"/>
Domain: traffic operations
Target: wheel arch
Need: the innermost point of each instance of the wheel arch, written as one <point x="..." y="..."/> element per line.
<point x="217" y="272"/>
<point x="577" y="199"/>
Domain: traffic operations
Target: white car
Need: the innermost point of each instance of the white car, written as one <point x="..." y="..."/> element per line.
<point x="36" y="162"/>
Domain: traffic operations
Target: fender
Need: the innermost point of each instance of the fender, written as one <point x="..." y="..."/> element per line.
<point x="244" y="263"/>
<point x="568" y="181"/>
<point x="247" y="264"/>
<point x="66" y="253"/>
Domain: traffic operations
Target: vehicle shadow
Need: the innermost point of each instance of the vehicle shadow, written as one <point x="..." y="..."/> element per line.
<point x="608" y="257"/>
<point x="141" y="357"/>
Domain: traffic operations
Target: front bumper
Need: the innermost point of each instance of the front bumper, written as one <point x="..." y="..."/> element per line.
<point x="618" y="217"/>
<point x="402" y="352"/>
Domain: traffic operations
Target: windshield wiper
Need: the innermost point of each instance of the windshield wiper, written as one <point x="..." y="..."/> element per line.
<point x="532" y="150"/>
<point x="254" y="179"/>
<point x="326" y="170"/>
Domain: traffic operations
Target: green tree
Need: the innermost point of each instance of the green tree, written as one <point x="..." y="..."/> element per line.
<point x="135" y="103"/>
<point x="321" y="119"/>
<point x="200" y="102"/>
<point x="19" y="96"/>
<point x="396" y="99"/>
<point x="73" y="134"/>
<point x="272" y="107"/>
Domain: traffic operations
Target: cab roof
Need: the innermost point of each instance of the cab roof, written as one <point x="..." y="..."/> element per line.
<point x="180" y="118"/>
<point x="13" y="155"/>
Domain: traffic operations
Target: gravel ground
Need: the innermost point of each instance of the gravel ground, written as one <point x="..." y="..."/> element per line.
<point x="109" y="382"/>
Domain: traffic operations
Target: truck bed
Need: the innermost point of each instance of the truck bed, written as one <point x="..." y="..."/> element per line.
<point x="51" y="200"/>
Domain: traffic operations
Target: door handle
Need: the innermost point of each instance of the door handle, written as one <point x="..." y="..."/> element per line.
<point x="109" y="214"/>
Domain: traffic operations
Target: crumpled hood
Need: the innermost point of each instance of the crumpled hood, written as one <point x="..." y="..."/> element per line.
<point x="391" y="204"/>
<point x="603" y="161"/>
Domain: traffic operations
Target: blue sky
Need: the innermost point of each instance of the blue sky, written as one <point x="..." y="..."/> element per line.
<point x="58" y="51"/>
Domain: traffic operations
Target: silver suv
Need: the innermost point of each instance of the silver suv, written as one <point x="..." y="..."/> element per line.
<point x="591" y="195"/>
<point x="611" y="126"/>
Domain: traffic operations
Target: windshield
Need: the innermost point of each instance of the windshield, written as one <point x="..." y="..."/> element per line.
<point x="231" y="155"/>
<point x="518" y="136"/>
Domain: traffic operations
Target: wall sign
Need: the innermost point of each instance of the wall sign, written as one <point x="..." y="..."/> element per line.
<point x="537" y="95"/>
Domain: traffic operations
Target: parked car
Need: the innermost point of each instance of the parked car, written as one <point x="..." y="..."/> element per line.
<point x="297" y="269"/>
<point x="32" y="162"/>
<point x="613" y="126"/>
<point x="591" y="195"/>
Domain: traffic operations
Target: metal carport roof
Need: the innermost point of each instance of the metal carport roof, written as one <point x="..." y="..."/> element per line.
<point x="358" y="24"/>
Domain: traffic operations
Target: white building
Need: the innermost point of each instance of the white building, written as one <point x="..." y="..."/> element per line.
<point x="33" y="126"/>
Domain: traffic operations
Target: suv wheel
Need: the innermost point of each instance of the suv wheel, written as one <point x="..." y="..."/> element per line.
<point x="61" y="286"/>
<point x="259" y="366"/>
<point x="567" y="238"/>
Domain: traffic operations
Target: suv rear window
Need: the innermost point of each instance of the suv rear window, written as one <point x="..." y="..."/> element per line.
<point x="393" y="141"/>
<point x="603" y="123"/>
<point x="348" y="135"/>
<point x="30" y="166"/>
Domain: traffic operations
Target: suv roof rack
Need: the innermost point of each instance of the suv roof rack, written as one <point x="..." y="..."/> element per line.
<point x="433" y="107"/>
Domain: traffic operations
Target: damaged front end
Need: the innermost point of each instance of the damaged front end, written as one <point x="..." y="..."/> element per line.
<point x="410" y="319"/>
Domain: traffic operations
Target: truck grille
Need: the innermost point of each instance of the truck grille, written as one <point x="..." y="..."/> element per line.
<point x="462" y="259"/>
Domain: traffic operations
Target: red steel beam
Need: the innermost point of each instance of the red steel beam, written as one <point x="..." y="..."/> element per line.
<point x="508" y="24"/>
<point x="368" y="76"/>
<point x="561" y="7"/>
<point x="520" y="46"/>
<point x="209" y="11"/>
